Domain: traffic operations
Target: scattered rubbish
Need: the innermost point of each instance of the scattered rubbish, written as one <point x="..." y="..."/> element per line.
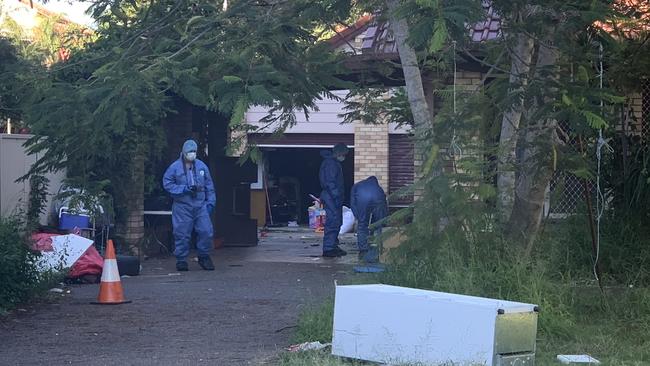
<point x="298" y="280"/>
<point x="174" y="274"/>
<point x="23" y="310"/>
<point x="375" y="268"/>
<point x="56" y="290"/>
<point x="569" y="359"/>
<point x="89" y="264"/>
<point x="316" y="214"/>
<point x="66" y="250"/>
<point x="315" y="259"/>
<point x="348" y="221"/>
<point x="292" y="224"/>
<point x="285" y="328"/>
<point x="308" y="346"/>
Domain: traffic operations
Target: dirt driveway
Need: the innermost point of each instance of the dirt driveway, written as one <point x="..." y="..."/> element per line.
<point x="236" y="315"/>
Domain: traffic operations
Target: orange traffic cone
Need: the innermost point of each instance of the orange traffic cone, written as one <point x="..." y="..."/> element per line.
<point x="110" y="289"/>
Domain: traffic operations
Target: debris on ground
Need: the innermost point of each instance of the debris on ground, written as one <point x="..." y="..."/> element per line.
<point x="56" y="290"/>
<point x="374" y="268"/>
<point x="67" y="251"/>
<point x="308" y="346"/>
<point x="577" y="359"/>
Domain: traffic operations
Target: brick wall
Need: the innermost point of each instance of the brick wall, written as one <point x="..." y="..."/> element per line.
<point x="131" y="227"/>
<point x="466" y="81"/>
<point x="371" y="152"/>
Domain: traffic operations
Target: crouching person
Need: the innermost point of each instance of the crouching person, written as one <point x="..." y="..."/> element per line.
<point x="368" y="202"/>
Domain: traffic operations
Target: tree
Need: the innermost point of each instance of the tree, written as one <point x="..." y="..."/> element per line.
<point x="98" y="115"/>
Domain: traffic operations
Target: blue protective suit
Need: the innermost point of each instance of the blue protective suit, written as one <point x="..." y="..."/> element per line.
<point x="332" y="195"/>
<point x="368" y="202"/>
<point x="190" y="210"/>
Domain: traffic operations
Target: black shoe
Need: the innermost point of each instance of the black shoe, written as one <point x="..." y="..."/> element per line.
<point x="331" y="253"/>
<point x="181" y="266"/>
<point x="341" y="251"/>
<point x="206" y="263"/>
<point x="336" y="252"/>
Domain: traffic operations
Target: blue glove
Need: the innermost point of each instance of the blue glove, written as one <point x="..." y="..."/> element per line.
<point x="210" y="208"/>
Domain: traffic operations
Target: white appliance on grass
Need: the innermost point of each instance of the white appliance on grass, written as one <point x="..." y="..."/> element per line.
<point x="398" y="325"/>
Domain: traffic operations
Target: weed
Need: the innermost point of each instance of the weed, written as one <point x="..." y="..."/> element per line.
<point x="18" y="274"/>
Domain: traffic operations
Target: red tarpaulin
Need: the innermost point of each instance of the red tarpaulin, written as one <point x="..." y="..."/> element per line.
<point x="90" y="263"/>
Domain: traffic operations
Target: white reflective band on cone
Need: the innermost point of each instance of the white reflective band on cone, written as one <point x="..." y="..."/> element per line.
<point x="110" y="272"/>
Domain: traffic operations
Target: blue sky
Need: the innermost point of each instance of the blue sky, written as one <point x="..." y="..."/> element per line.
<point x="73" y="10"/>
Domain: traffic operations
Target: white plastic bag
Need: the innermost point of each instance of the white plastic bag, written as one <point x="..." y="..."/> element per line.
<point x="348" y="221"/>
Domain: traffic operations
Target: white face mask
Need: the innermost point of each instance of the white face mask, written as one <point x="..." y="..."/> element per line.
<point x="340" y="158"/>
<point x="190" y="156"/>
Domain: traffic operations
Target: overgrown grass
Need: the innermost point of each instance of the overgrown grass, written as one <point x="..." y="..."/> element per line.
<point x="576" y="318"/>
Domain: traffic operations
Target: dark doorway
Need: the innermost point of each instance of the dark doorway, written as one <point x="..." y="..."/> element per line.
<point x="292" y="174"/>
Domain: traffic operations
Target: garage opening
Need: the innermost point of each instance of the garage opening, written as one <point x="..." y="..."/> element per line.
<point x="292" y="175"/>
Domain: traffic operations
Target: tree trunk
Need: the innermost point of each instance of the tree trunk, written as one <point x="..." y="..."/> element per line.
<point x="411" y="69"/>
<point x="422" y="114"/>
<point x="131" y="227"/>
<point x="521" y="57"/>
<point x="536" y="166"/>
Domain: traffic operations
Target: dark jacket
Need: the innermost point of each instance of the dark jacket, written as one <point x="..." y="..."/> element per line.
<point x="331" y="177"/>
<point x="366" y="193"/>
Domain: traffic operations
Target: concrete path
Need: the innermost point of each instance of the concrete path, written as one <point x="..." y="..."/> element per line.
<point x="236" y="315"/>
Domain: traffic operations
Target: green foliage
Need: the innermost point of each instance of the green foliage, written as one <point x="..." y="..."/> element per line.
<point x="38" y="185"/>
<point x="377" y="106"/>
<point x="99" y="111"/>
<point x="18" y="275"/>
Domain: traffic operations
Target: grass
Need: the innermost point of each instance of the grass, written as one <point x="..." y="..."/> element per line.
<point x="617" y="332"/>
<point x="576" y="318"/>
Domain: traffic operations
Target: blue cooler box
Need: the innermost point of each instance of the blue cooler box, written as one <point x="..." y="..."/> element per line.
<point x="69" y="221"/>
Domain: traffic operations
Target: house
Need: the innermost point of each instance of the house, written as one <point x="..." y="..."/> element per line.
<point x="291" y="161"/>
<point x="289" y="172"/>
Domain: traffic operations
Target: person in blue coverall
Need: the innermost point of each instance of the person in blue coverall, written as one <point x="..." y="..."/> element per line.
<point x="332" y="195"/>
<point x="189" y="183"/>
<point x="368" y="201"/>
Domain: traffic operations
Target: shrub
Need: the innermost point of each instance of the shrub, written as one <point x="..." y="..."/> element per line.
<point x="18" y="275"/>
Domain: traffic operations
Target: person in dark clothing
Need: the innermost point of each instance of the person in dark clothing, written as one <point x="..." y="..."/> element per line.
<point x="332" y="195"/>
<point x="368" y="202"/>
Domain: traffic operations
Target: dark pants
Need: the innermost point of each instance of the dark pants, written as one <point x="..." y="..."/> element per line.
<point x="333" y="222"/>
<point x="369" y="213"/>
